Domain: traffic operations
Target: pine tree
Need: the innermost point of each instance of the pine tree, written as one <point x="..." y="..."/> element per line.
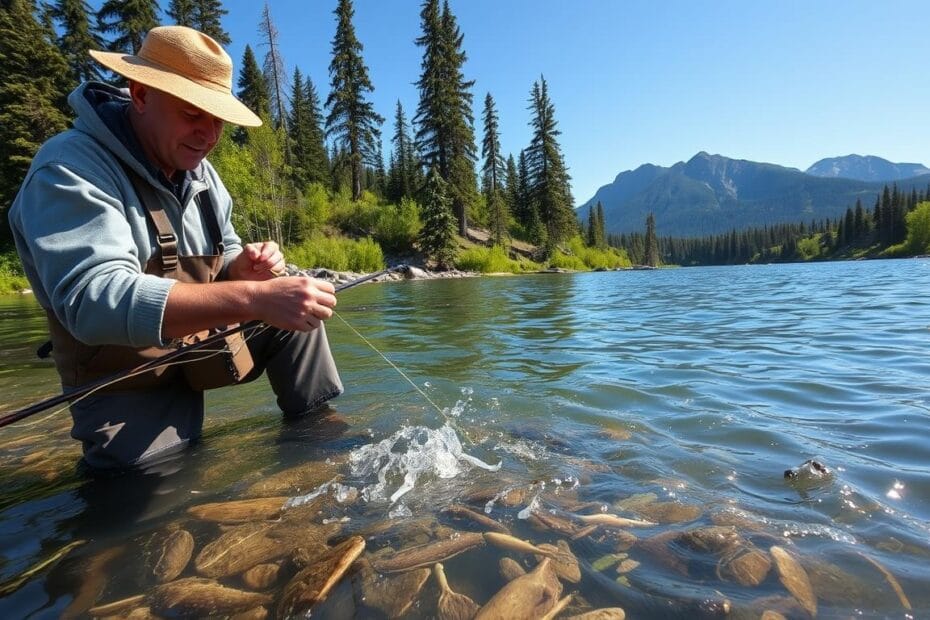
<point x="445" y="137"/>
<point x="352" y="120"/>
<point x="128" y="21"/>
<point x="33" y="92"/>
<point x="493" y="174"/>
<point x="317" y="162"/>
<point x="493" y="168"/>
<point x="253" y="90"/>
<point x="202" y="15"/>
<point x="591" y="238"/>
<point x="512" y="181"/>
<point x="549" y="180"/>
<point x="77" y="37"/>
<point x="182" y="12"/>
<point x="401" y="171"/>
<point x="651" y="253"/>
<point x="208" y="20"/>
<point x="600" y="230"/>
<point x="437" y="237"/>
<point x="379" y="173"/>
<point x="273" y="70"/>
<point x="299" y="132"/>
<point x="861" y="227"/>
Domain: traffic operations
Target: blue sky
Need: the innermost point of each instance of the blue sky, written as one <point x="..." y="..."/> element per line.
<point x="785" y="82"/>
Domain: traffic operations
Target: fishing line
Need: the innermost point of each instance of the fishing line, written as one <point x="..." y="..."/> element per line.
<point x="441" y="412"/>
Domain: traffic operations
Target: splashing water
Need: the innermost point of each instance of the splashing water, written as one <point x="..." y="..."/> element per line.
<point x="408" y="454"/>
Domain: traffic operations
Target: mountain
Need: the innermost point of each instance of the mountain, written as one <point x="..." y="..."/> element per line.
<point x="711" y="194"/>
<point x="866" y="168"/>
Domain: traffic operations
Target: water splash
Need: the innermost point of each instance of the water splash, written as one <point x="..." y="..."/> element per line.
<point x="399" y="460"/>
<point x="302" y="500"/>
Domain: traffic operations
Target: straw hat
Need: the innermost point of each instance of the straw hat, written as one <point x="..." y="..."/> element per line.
<point x="187" y="64"/>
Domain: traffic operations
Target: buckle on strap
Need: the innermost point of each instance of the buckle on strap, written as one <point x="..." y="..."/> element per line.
<point x="168" y="246"/>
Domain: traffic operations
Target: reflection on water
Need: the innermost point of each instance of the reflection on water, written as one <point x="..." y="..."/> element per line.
<point x="672" y="400"/>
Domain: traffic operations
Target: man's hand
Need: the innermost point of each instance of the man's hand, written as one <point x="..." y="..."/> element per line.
<point x="296" y="303"/>
<point x="257" y="261"/>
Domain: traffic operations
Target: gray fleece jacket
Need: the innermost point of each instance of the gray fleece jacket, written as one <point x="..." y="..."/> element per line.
<point x="83" y="235"/>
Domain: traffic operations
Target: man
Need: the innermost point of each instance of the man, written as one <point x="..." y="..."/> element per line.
<point x="124" y="232"/>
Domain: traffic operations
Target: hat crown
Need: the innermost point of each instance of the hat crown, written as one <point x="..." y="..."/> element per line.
<point x="190" y="54"/>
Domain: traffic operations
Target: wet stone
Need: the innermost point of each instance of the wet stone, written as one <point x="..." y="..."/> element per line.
<point x="172" y="556"/>
<point x="393" y="595"/>
<point x="312" y="584"/>
<point x="564" y="561"/>
<point x="426" y="555"/>
<point x="793" y="576"/>
<point x="239" y="511"/>
<point x="607" y="613"/>
<point x="715" y="539"/>
<point x="747" y="566"/>
<point x="294" y="481"/>
<point x="510" y="569"/>
<point x="261" y="577"/>
<point x="452" y="606"/>
<point x="194" y="596"/>
<point x="525" y="598"/>
<point x="669" y="512"/>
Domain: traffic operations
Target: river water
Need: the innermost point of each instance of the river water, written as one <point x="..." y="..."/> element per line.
<point x="679" y="396"/>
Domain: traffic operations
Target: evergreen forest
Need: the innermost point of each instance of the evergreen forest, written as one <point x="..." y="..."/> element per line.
<point x="341" y="185"/>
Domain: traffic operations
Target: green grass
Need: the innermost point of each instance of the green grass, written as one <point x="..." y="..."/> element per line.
<point x="337" y="253"/>
<point x="12" y="279"/>
<point x="492" y="260"/>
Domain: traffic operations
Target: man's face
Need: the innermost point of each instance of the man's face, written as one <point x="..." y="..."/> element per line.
<point x="174" y="133"/>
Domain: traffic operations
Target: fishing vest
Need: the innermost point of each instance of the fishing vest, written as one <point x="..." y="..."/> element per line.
<point x="78" y="363"/>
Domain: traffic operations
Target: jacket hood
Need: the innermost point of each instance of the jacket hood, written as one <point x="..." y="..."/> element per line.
<point x="93" y="102"/>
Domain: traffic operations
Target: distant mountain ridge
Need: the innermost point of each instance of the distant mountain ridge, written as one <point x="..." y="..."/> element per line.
<point x="866" y="168"/>
<point x="711" y="194"/>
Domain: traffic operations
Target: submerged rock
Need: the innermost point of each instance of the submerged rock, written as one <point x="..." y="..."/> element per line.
<point x="294" y="481"/>
<point x="510" y="569"/>
<point x="452" y="606"/>
<point x="392" y="595"/>
<point x="239" y="511"/>
<point x="428" y="554"/>
<point x="563" y="561"/>
<point x="525" y="598"/>
<point x="312" y="584"/>
<point x="195" y="596"/>
<point x="262" y="576"/>
<point x="747" y="566"/>
<point x="172" y="556"/>
<point x="793" y="576"/>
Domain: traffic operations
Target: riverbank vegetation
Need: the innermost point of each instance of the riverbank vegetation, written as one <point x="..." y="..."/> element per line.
<point x="316" y="179"/>
<point x="314" y="176"/>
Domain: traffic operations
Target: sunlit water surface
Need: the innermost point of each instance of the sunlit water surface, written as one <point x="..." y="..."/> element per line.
<point x="699" y="386"/>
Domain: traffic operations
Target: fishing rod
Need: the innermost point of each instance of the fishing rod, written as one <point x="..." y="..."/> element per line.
<point x="163" y="360"/>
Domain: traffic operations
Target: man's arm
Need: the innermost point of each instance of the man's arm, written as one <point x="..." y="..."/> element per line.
<point x="293" y="303"/>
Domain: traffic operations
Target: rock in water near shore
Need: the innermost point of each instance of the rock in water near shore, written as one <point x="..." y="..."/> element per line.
<point x="194" y="596"/>
<point x="312" y="584"/>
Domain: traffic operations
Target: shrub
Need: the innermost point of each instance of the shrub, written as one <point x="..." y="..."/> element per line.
<point x="561" y="260"/>
<point x="918" y="229"/>
<point x="12" y="279"/>
<point x="397" y="226"/>
<point x="809" y="247"/>
<point x="337" y="253"/>
<point x="492" y="260"/>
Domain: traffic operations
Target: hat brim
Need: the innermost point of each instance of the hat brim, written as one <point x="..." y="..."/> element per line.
<point x="220" y="104"/>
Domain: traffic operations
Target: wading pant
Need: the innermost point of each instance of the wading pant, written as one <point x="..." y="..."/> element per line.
<point x="121" y="429"/>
